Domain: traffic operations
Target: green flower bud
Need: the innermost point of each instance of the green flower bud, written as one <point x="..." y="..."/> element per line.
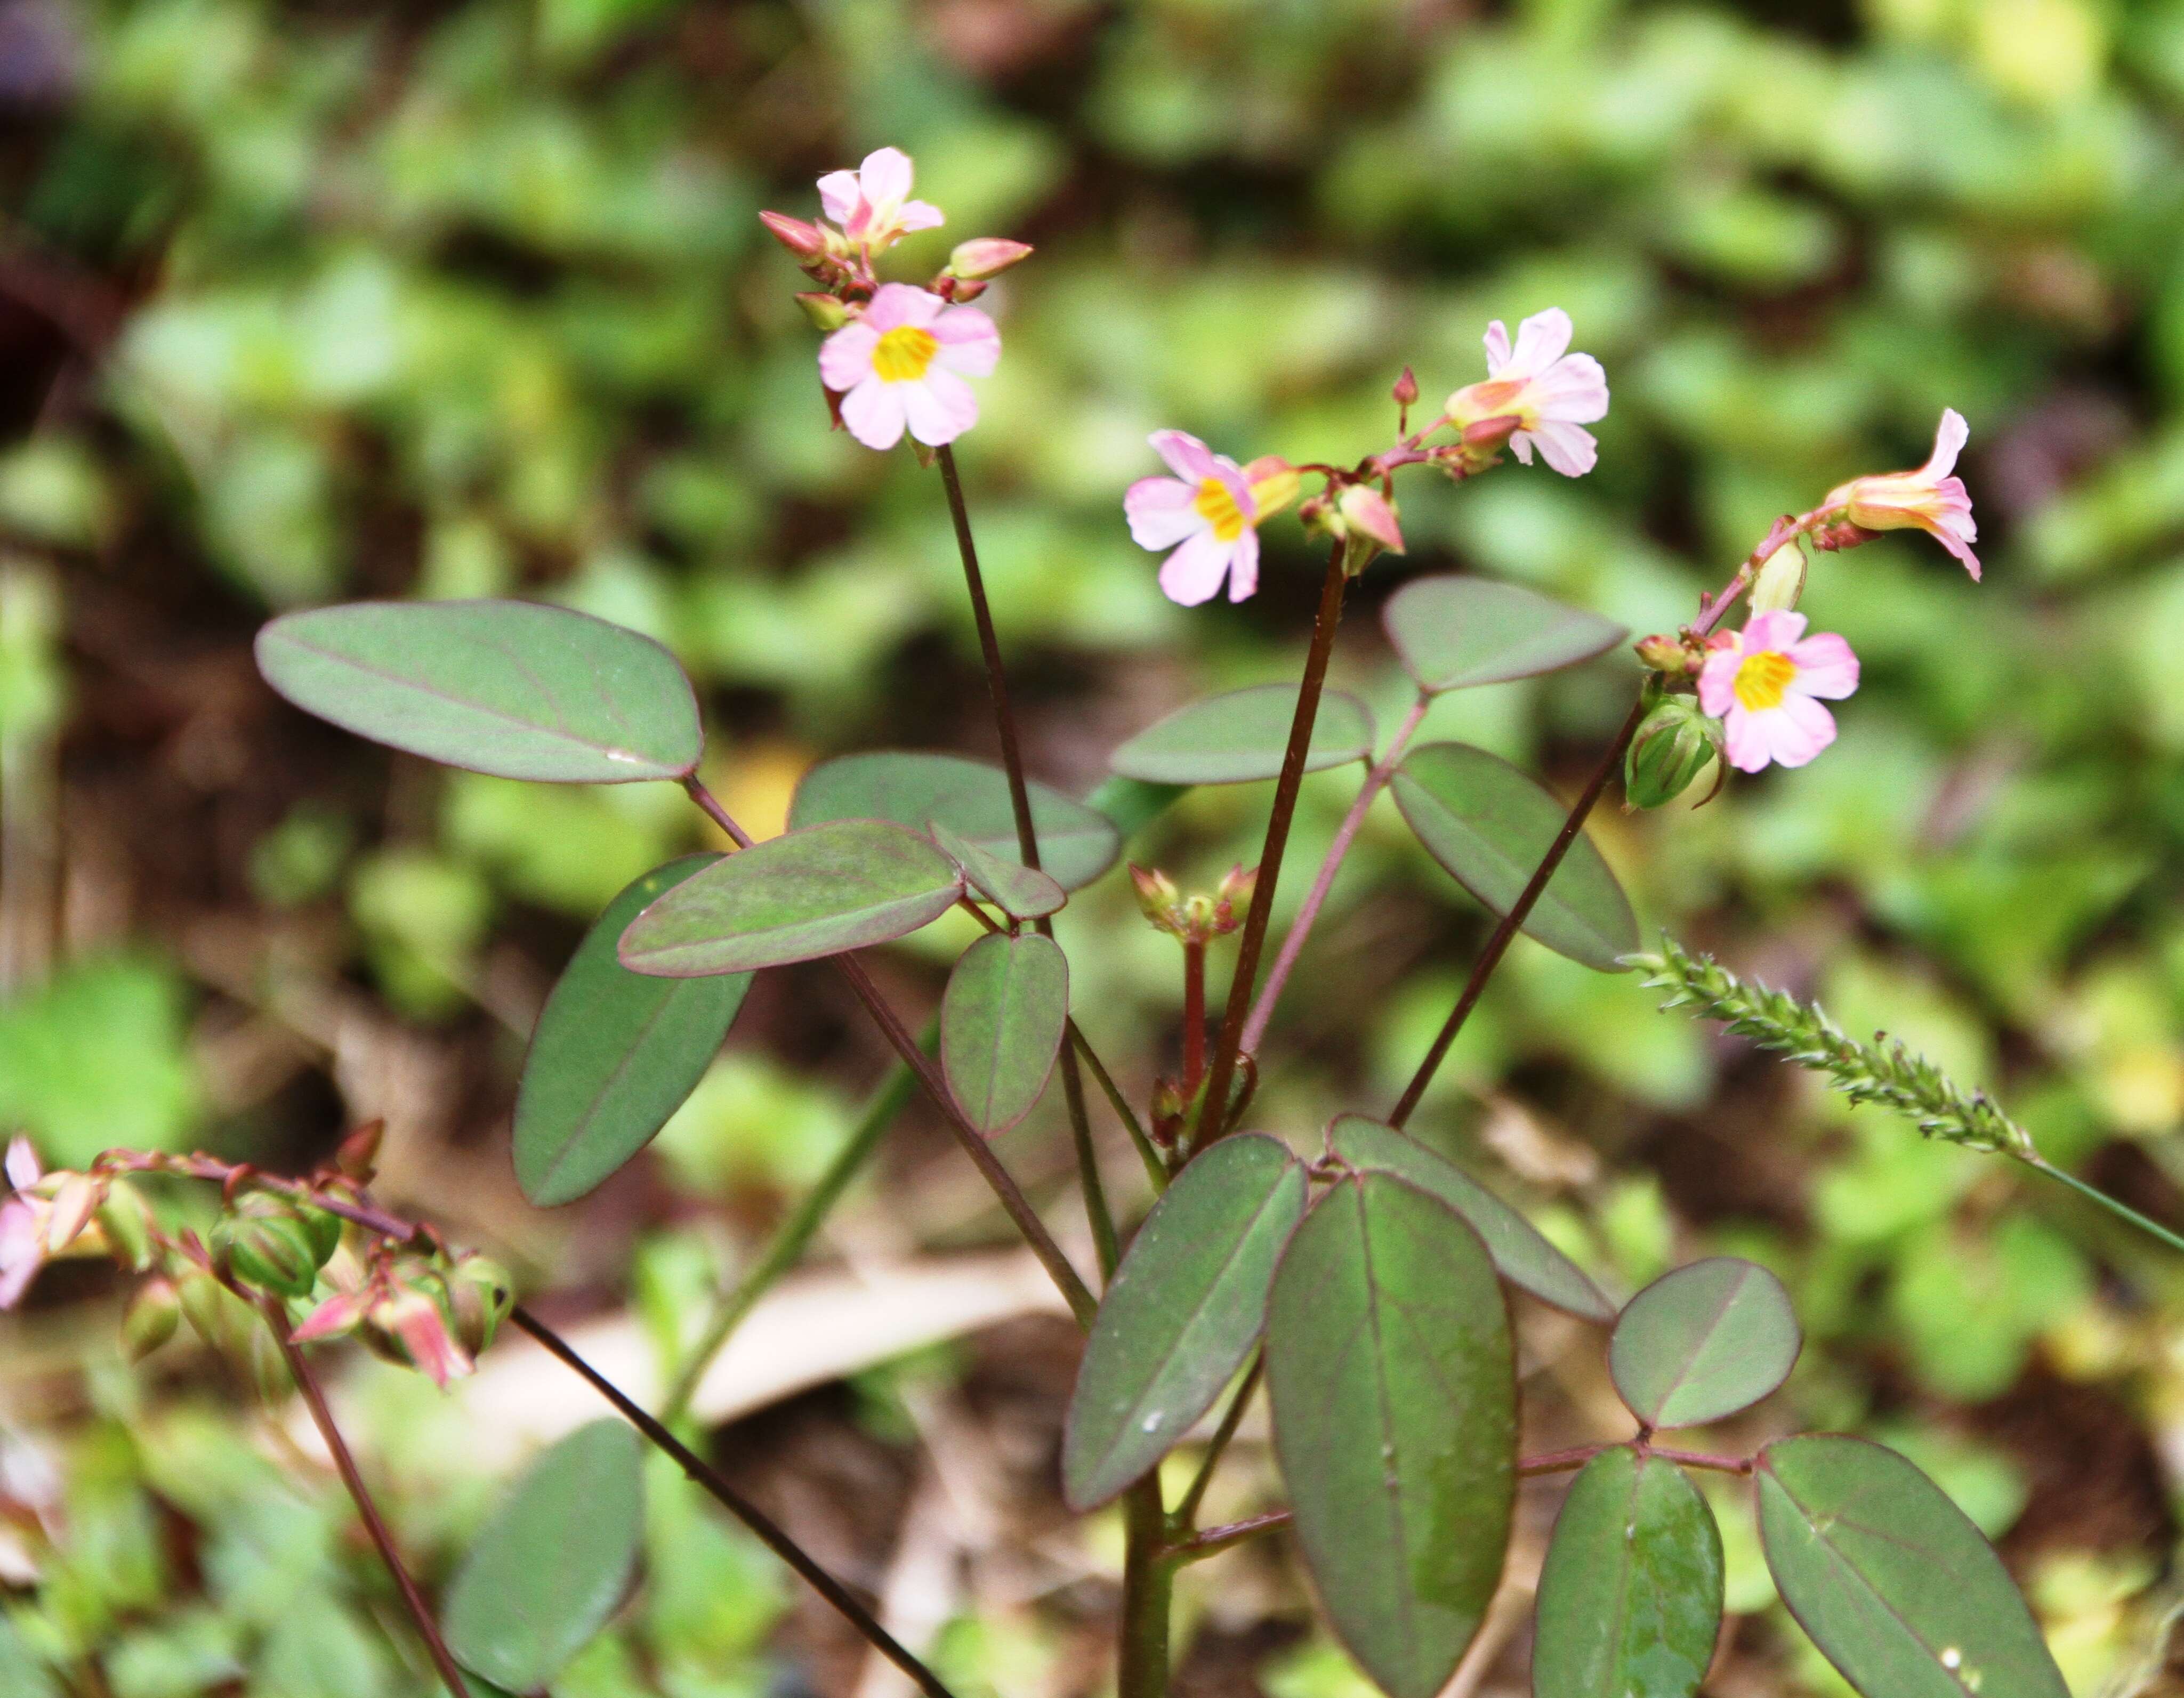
<point x="127" y="1220"/>
<point x="274" y="1252"/>
<point x="479" y="1297"/>
<point x="1781" y="579"/>
<point x="326" y="1228"/>
<point x="151" y="1318"/>
<point x="1673" y="744"/>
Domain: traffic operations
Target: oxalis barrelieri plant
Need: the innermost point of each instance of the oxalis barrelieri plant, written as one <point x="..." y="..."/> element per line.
<point x="1365" y="1285"/>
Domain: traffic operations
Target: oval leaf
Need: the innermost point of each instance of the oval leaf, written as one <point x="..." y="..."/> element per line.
<point x="1521" y="1256"/>
<point x="1490" y="825"/>
<point x="1703" y="1342"/>
<point x="794" y="898"/>
<point x="615" y="1053"/>
<point x="1890" y="1579"/>
<point x="1001" y="1024"/>
<point x="1021" y="892"/>
<point x="1242" y="736"/>
<point x="1453" y="632"/>
<point x="1630" y="1597"/>
<point x="1185" y="1308"/>
<point x="552" y="1562"/>
<point x="1131" y="805"/>
<point x="1393" y="1383"/>
<point x="1076" y="844"/>
<point x="510" y="687"/>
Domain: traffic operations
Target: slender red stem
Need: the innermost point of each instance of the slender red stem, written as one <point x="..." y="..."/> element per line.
<point x="1214" y="1109"/>
<point x="1559" y="1461"/>
<point x="1193" y="1015"/>
<point x="1215" y="1540"/>
<point x="374" y="1523"/>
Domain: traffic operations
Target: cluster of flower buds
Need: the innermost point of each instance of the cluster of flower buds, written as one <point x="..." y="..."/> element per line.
<point x="896" y="355"/>
<point x="292" y="1242"/>
<point x="1364" y="517"/>
<point x="1196" y="919"/>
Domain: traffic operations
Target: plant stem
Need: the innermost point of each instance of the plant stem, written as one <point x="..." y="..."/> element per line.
<point x="1156" y="1169"/>
<point x="1559" y="1461"/>
<point x="1148" y="1590"/>
<point x="1193" y="1015"/>
<point x="1262" y="1010"/>
<point x="1701" y="1459"/>
<point x="2121" y="1210"/>
<point x="345" y="1464"/>
<point x="1081" y="1303"/>
<point x="1497" y="944"/>
<point x="795" y="1235"/>
<point x="1186" y="1512"/>
<point x="1101" y="1218"/>
<point x="1214" y="1108"/>
<point x="768" y="1531"/>
<point x="1215" y="1540"/>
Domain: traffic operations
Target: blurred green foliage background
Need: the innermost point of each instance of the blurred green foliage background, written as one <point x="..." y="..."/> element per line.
<point x="301" y="302"/>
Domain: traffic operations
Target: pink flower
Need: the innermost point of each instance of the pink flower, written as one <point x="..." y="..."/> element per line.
<point x="904" y="362"/>
<point x="1928" y="498"/>
<point x="1212" y="507"/>
<point x="1765" y="685"/>
<point x="342" y="1312"/>
<point x="23" y="1222"/>
<point x="872" y="203"/>
<point x="420" y="1326"/>
<point x="1549" y="392"/>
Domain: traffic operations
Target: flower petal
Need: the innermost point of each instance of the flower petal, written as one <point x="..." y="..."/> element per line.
<point x="1497" y="348"/>
<point x="839" y="194"/>
<point x="885" y="176"/>
<point x="1187" y="457"/>
<point x="1949" y="439"/>
<point x="845" y="358"/>
<point x="1194" y="572"/>
<point x="1570" y="449"/>
<point x="1243" y="566"/>
<point x="1573" y="390"/>
<point x="1825" y="667"/>
<point x="1718" y="681"/>
<point x="939" y="408"/>
<point x="1541" y="340"/>
<point x="1799" y="730"/>
<point x="969" y="343"/>
<point x="874" y="413"/>
<point x="1775" y="630"/>
<point x="1161" y="513"/>
<point x="920" y="215"/>
<point x="903" y="304"/>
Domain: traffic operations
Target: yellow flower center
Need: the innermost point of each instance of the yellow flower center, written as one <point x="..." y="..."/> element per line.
<point x="1762" y="679"/>
<point x="1218" y="508"/>
<point x="902" y="354"/>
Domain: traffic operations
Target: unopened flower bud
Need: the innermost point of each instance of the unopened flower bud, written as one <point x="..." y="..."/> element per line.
<point x="151" y="1318"/>
<point x="126" y="1219"/>
<point x="1368" y="519"/>
<point x="265" y="1242"/>
<point x="77" y="1199"/>
<point x="1781" y="579"/>
<point x="415" y="1322"/>
<point x="1675" y="742"/>
<point x="827" y="312"/>
<point x="986" y="256"/>
<point x="960" y="288"/>
<point x="1661" y="653"/>
<point x="342" y="1312"/>
<point x="214" y="1313"/>
<point x="357" y="1154"/>
<point x="480" y="1295"/>
<point x="1406" y="390"/>
<point x="1158" y="899"/>
<point x="807" y="242"/>
<point x="1233" y="895"/>
<point x="1168" y="1110"/>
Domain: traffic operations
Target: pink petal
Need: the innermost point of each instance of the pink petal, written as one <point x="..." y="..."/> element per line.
<point x="839" y="195"/>
<point x="1825" y="667"/>
<point x="1799" y="730"/>
<point x="23" y="1169"/>
<point x="1243" y="566"/>
<point x="939" y="408"/>
<point x="845" y="358"/>
<point x="874" y="413"/>
<point x="337" y="1315"/>
<point x="1194" y="572"/>
<point x="1497" y="348"/>
<point x="921" y="215"/>
<point x="1541" y="340"/>
<point x="1522" y="443"/>
<point x="1161" y="512"/>
<point x="969" y="343"/>
<point x="1570" y="449"/>
<point x="1955" y="545"/>
<point x="1718" y="681"/>
<point x="1949" y="440"/>
<point x="1187" y="457"/>
<point x="1775" y="630"/>
<point x="901" y="304"/>
<point x="885" y="176"/>
<point x="1573" y="391"/>
<point x="1745" y="742"/>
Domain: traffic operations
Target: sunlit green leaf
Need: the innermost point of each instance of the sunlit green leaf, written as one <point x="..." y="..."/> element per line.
<point x="1242" y="736"/>
<point x="1185" y="1307"/>
<point x="794" y="898"/>
<point x="510" y="687"/>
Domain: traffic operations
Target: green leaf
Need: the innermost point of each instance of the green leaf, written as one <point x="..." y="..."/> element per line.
<point x="1001" y="1026"/>
<point x="511" y="687"/>
<point x="1132" y="804"/>
<point x="1893" y="1583"/>
<point x="1390" y="1367"/>
<point x="615" y="1053"/>
<point x="1186" y="1305"/>
<point x="1521" y="1256"/>
<point x="1076" y="844"/>
<point x="795" y="897"/>
<point x="1453" y="632"/>
<point x="1021" y="892"/>
<point x="552" y="1563"/>
<point x="1490" y="825"/>
<point x="1241" y="736"/>
<point x="1630" y="1598"/>
<point x="1703" y="1342"/>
